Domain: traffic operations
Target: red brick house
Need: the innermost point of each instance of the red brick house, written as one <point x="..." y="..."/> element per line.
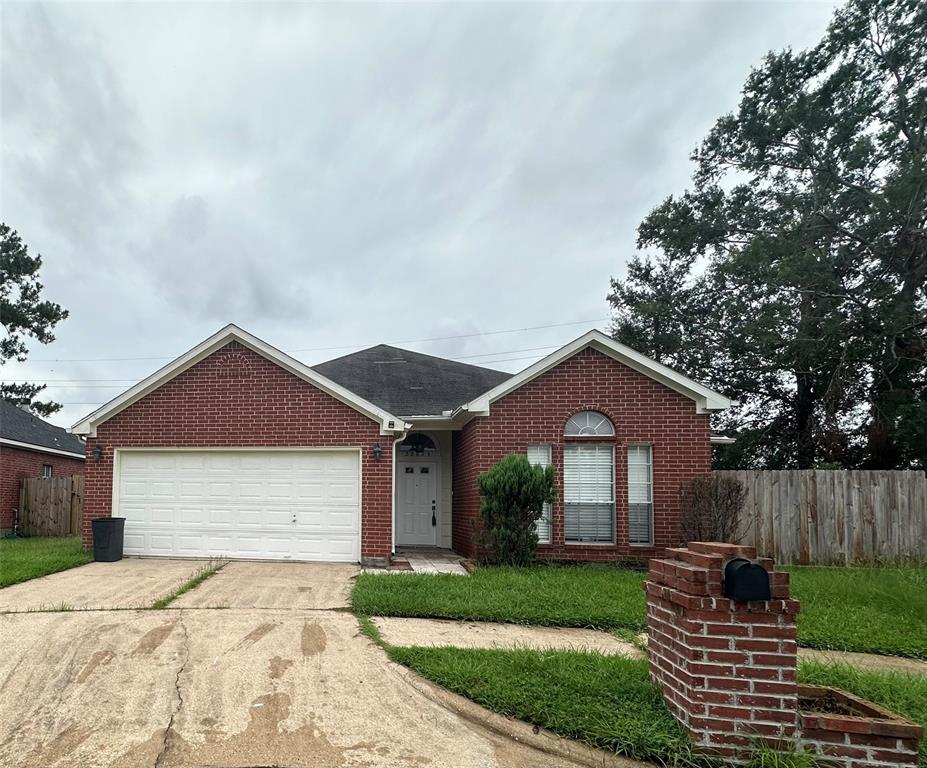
<point x="238" y="449"/>
<point x="31" y="447"/>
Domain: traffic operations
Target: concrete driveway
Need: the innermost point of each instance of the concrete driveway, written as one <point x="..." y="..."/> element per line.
<point x="281" y="676"/>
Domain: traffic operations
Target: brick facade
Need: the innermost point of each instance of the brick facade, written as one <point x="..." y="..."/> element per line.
<point x="17" y="464"/>
<point x="237" y="398"/>
<point x="642" y="411"/>
<point x="727" y="669"/>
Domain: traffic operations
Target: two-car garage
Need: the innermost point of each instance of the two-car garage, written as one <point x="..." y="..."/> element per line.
<point x="242" y="503"/>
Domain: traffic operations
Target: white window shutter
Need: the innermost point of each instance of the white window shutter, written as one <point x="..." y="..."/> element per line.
<point x="539" y="456"/>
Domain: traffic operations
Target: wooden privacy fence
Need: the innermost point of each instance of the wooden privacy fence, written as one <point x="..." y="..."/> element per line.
<point x="51" y="507"/>
<point x="834" y="516"/>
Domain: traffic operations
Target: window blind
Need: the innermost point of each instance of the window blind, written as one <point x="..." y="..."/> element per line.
<point x="589" y="493"/>
<point x="539" y="456"/>
<point x="640" y="494"/>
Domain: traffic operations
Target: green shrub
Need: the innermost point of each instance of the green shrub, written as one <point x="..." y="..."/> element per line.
<point x="514" y="494"/>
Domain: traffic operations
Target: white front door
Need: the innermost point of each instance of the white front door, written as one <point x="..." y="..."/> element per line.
<point x="417" y="507"/>
<point x="261" y="504"/>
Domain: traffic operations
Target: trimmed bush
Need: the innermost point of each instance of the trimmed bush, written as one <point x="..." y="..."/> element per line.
<point x="513" y="496"/>
<point x="711" y="507"/>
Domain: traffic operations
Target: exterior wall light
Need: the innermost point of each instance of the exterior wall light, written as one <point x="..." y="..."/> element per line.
<point x="98" y="452"/>
<point x="377" y="451"/>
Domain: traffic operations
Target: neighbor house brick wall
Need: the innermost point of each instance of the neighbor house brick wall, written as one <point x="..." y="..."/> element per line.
<point x="726" y="668"/>
<point x="237" y="398"/>
<point x="642" y="411"/>
<point x="17" y="464"/>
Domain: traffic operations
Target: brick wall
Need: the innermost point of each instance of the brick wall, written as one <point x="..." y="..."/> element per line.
<point x="642" y="411"/>
<point x="236" y="398"/>
<point x="16" y="464"/>
<point x="727" y="669"/>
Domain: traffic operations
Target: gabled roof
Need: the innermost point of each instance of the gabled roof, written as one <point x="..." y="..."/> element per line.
<point x="88" y="425"/>
<point x="706" y="400"/>
<point x="410" y="383"/>
<point x="22" y="429"/>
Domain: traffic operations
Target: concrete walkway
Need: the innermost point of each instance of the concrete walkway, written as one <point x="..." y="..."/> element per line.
<point x="277" y="681"/>
<point x="484" y="634"/>
<point x="427" y="560"/>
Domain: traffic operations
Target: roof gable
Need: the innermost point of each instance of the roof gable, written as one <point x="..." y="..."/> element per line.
<point x="706" y="400"/>
<point x="410" y="383"/>
<point x="24" y="430"/>
<point x="88" y="425"/>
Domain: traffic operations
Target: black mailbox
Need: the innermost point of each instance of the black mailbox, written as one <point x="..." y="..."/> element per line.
<point x="745" y="580"/>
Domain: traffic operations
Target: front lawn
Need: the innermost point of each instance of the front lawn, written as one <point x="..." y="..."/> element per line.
<point x="874" y="610"/>
<point x="24" y="559"/>
<point x="572" y="596"/>
<point x="609" y="702"/>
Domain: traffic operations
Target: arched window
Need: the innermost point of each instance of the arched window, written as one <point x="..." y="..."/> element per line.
<point x="418" y="444"/>
<point x="589" y="424"/>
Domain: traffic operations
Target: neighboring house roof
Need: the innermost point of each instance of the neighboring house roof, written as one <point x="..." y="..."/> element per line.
<point x="706" y="400"/>
<point x="88" y="425"/>
<point x="22" y="429"/>
<point x="410" y="383"/>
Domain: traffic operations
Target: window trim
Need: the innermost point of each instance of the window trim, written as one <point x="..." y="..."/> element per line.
<point x="652" y="543"/>
<point x="48" y="475"/>
<point x="614" y="540"/>
<point x="597" y="436"/>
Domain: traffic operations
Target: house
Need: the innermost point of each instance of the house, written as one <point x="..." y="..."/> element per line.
<point x="236" y="448"/>
<point x="31" y="447"/>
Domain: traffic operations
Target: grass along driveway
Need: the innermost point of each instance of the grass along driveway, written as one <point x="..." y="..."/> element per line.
<point x="576" y="596"/>
<point x="871" y="610"/>
<point x="24" y="559"/>
<point x="609" y="702"/>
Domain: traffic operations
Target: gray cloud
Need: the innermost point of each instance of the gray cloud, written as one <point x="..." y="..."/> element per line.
<point x="336" y="174"/>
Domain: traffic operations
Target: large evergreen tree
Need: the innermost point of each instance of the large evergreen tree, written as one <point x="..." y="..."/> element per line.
<point x="792" y="274"/>
<point x="23" y="313"/>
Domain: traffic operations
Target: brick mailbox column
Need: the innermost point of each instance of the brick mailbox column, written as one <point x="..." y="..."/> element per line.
<point x="727" y="669"/>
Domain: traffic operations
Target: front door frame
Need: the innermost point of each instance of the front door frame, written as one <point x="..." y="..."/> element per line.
<point x="416" y="461"/>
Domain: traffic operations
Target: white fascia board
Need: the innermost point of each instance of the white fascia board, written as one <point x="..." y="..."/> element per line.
<point x="706" y="400"/>
<point x="40" y="449"/>
<point x="722" y="440"/>
<point x="88" y="425"/>
<point x="434" y="422"/>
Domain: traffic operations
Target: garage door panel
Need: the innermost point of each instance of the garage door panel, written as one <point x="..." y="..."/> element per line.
<point x="241" y="503"/>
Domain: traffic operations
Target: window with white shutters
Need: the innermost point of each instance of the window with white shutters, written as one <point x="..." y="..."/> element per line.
<point x="539" y="456"/>
<point x="589" y="493"/>
<point x="640" y="494"/>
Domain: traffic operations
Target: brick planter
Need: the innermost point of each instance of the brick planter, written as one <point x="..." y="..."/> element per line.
<point x="858" y="733"/>
<point x="727" y="669"/>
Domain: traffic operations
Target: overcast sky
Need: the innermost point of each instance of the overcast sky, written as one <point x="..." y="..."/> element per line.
<point x="334" y="176"/>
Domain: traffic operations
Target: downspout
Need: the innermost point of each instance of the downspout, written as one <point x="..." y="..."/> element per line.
<point x="405" y="433"/>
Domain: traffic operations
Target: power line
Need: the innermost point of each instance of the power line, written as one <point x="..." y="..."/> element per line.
<point x="327" y="349"/>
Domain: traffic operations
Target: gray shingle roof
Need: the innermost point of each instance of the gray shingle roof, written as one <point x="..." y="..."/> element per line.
<point x="409" y="383"/>
<point x="24" y="427"/>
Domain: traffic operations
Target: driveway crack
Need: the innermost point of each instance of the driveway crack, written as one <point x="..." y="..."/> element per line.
<point x="169" y="731"/>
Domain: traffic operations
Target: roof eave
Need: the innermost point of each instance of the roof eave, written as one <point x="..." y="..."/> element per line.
<point x="87" y="426"/>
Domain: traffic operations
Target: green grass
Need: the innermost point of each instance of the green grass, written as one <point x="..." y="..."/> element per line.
<point x="609" y="702"/>
<point x="605" y="701"/>
<point x="900" y="692"/>
<point x="576" y="596"/>
<point x="202" y="573"/>
<point x="24" y="559"/>
<point x="874" y="610"/>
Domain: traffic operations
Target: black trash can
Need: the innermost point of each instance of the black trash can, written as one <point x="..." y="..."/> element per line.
<point x="107" y="539"/>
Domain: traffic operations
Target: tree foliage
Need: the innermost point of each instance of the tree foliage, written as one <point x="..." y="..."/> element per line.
<point x="513" y="496"/>
<point x="792" y="274"/>
<point x="711" y="508"/>
<point x="24" y="314"/>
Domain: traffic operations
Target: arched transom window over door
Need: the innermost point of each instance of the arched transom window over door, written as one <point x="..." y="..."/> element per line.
<point x="589" y="424"/>
<point x="589" y="481"/>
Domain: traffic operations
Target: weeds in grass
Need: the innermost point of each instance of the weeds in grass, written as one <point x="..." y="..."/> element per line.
<point x="765" y="755"/>
<point x="204" y="572"/>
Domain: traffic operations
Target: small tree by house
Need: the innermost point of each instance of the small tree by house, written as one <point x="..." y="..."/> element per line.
<point x="711" y="507"/>
<point x="513" y="496"/>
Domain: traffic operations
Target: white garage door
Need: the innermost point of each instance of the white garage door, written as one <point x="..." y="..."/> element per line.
<point x="292" y="505"/>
